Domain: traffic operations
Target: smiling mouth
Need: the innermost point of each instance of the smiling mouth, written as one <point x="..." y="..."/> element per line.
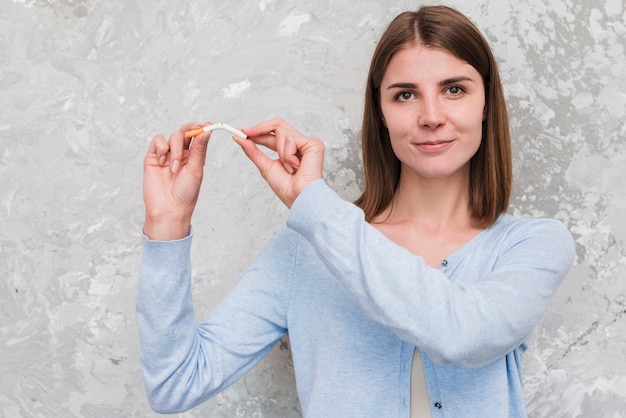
<point x="434" y="146"/>
<point x="433" y="142"/>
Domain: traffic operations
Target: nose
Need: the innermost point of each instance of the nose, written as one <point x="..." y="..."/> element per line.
<point x="432" y="114"/>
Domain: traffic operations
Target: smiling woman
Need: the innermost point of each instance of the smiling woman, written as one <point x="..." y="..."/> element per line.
<point x="415" y="301"/>
<point x="446" y="31"/>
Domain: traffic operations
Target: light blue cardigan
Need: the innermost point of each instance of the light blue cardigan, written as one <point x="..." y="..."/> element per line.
<point x="356" y="305"/>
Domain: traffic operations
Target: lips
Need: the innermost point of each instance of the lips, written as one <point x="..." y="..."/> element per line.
<point x="434" y="146"/>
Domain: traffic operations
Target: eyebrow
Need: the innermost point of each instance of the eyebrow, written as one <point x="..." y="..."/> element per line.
<point x="445" y="82"/>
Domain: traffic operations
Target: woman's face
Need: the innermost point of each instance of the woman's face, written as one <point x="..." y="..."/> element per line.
<point x="433" y="106"/>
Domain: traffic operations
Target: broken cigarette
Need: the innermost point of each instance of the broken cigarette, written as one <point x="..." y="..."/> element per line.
<point x="213" y="127"/>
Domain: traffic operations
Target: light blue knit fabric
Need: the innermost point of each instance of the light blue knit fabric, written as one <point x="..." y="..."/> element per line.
<point x="355" y="305"/>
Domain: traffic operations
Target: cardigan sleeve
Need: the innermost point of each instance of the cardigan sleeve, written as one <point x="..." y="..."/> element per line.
<point x="468" y="322"/>
<point x="184" y="363"/>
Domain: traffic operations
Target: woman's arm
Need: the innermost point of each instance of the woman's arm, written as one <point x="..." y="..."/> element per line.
<point x="185" y="363"/>
<point x="468" y="323"/>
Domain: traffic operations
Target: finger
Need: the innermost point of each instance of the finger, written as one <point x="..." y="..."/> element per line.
<point x="197" y="154"/>
<point x="291" y="150"/>
<point x="159" y="148"/>
<point x="270" y="132"/>
<point x="193" y="129"/>
<point x="281" y="143"/>
<point x="269" y="127"/>
<point x="258" y="158"/>
<point x="268" y="141"/>
<point x="177" y="145"/>
<point x="191" y="125"/>
<point x="286" y="148"/>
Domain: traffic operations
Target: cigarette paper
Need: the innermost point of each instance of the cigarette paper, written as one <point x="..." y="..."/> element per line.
<point x="216" y="126"/>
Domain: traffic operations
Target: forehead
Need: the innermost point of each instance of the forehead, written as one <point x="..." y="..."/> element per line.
<point x="417" y="61"/>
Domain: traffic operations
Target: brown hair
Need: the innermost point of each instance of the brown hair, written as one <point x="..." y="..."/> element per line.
<point x="491" y="166"/>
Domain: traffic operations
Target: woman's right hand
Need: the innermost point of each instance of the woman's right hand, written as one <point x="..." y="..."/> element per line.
<point x="300" y="159"/>
<point x="172" y="175"/>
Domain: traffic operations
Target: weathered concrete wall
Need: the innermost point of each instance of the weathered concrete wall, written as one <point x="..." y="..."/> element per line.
<point x="85" y="83"/>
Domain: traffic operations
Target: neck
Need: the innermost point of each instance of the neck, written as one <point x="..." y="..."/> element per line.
<point x="433" y="203"/>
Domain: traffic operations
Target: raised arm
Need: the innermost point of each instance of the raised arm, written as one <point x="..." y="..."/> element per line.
<point x="468" y="321"/>
<point x="184" y="363"/>
<point x="469" y="317"/>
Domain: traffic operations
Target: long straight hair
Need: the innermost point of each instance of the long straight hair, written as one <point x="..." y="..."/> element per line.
<point x="491" y="167"/>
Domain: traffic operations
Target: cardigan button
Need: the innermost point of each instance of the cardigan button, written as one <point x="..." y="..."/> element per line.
<point x="444" y="263"/>
<point x="438" y="405"/>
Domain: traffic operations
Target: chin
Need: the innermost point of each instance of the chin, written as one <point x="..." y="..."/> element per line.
<point x="438" y="173"/>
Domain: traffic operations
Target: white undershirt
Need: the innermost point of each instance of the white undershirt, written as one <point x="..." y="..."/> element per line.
<point x="420" y="404"/>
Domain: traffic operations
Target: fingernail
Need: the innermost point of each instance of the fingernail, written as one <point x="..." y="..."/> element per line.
<point x="288" y="168"/>
<point x="175" y="165"/>
<point x="162" y="159"/>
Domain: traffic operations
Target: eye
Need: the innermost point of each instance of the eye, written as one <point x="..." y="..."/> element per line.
<point x="456" y="90"/>
<point x="404" y="96"/>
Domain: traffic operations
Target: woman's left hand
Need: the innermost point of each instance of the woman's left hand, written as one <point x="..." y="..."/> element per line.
<point x="300" y="159"/>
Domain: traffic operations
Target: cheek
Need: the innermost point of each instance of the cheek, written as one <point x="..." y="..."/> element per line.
<point x="395" y="121"/>
<point x="398" y="141"/>
<point x="393" y="115"/>
<point x="473" y="120"/>
<point x="477" y="136"/>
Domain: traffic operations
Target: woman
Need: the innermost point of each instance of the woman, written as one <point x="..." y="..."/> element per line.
<point x="415" y="301"/>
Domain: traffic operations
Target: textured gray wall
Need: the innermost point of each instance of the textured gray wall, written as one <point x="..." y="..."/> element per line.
<point x="85" y="83"/>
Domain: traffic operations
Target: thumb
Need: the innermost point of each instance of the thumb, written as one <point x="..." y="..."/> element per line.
<point x="262" y="162"/>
